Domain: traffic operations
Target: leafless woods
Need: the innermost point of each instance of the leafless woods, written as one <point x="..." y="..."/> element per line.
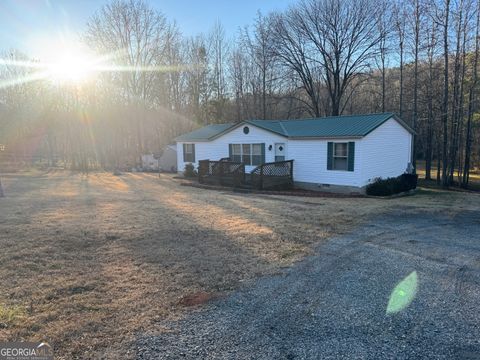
<point x="417" y="58"/>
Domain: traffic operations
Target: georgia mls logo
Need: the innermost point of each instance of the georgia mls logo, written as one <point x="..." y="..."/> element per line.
<point x="25" y="351"/>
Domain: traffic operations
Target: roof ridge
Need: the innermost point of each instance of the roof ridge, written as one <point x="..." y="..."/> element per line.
<point x="283" y="128"/>
<point x="334" y="116"/>
<point x="389" y="113"/>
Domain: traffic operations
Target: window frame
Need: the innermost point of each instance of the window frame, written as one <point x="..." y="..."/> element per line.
<point x="334" y="156"/>
<point x="236" y="157"/>
<point x="255" y="156"/>
<point x="246" y="156"/>
<point x="254" y="159"/>
<point x="189" y="154"/>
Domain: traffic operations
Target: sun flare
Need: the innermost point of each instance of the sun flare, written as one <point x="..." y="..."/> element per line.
<point x="69" y="68"/>
<point x="71" y="65"/>
<point x="66" y="60"/>
<point x="70" y="62"/>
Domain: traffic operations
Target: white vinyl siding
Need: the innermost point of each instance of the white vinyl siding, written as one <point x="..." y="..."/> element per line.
<point x="310" y="163"/>
<point x="385" y="152"/>
<point x="218" y="148"/>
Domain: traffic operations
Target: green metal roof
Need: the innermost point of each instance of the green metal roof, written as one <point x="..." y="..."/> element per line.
<point x="205" y="133"/>
<point x="327" y="127"/>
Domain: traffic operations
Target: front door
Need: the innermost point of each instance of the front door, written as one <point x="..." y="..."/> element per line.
<point x="279" y="152"/>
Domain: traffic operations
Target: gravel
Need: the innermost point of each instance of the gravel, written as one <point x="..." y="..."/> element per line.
<point x="333" y="304"/>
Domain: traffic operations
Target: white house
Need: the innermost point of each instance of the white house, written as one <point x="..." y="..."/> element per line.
<point x="339" y="152"/>
<point x="168" y="159"/>
<point x="149" y="162"/>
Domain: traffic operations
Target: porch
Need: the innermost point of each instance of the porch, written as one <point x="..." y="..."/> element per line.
<point x="268" y="176"/>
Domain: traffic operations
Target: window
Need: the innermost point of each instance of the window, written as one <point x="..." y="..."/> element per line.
<point x="249" y="154"/>
<point x="189" y="153"/>
<point x="246" y="154"/>
<point x="340" y="156"/>
<point x="236" y="155"/>
<point x="257" y="157"/>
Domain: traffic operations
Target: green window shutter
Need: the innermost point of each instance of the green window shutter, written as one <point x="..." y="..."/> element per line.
<point x="193" y="152"/>
<point x="230" y="151"/>
<point x="263" y="153"/>
<point x="330" y="156"/>
<point x="351" y="156"/>
<point x="184" y="152"/>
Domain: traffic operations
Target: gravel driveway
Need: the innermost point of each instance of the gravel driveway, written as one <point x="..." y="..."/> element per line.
<point x="333" y="304"/>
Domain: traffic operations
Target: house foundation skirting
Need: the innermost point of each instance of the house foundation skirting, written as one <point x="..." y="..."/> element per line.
<point x="341" y="189"/>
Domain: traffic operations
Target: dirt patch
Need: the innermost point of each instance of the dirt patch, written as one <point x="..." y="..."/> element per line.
<point x="198" y="298"/>
<point x="88" y="262"/>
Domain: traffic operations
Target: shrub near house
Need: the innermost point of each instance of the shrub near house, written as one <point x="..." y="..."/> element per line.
<point x="189" y="171"/>
<point x="391" y="186"/>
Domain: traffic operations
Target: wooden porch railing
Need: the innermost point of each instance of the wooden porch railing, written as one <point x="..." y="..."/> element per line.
<point x="223" y="171"/>
<point x="274" y="175"/>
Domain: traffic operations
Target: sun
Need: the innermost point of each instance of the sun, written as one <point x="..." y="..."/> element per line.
<point x="64" y="62"/>
<point x="70" y="68"/>
<point x="71" y="65"/>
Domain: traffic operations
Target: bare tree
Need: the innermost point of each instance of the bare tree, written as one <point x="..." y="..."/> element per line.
<point x="197" y="84"/>
<point x="417" y="14"/>
<point x="259" y="44"/>
<point x="400" y="16"/>
<point x="462" y="15"/>
<point x="132" y="34"/>
<point x="431" y="52"/>
<point x="219" y="50"/>
<point x="443" y="19"/>
<point x="289" y="46"/>
<point x="384" y="30"/>
<point x="345" y="34"/>
<point x="471" y="101"/>
<point x="173" y="57"/>
<point x="238" y="76"/>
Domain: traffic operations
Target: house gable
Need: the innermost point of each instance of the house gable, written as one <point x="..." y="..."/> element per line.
<point x="242" y="124"/>
<point x="378" y="146"/>
<point x="386" y="151"/>
<point x="333" y="127"/>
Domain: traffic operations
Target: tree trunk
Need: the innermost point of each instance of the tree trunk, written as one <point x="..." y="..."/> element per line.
<point x="415" y="86"/>
<point x="471" y="101"/>
<point x="445" y="96"/>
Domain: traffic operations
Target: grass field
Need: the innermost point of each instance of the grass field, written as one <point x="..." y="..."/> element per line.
<point x="474" y="179"/>
<point x="88" y="263"/>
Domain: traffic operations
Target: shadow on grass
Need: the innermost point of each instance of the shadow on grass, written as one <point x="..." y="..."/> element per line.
<point x="115" y="256"/>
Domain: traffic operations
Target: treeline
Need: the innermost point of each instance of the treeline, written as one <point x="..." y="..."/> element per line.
<point x="417" y="58"/>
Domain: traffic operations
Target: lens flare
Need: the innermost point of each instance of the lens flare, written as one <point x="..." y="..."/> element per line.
<point x="403" y="294"/>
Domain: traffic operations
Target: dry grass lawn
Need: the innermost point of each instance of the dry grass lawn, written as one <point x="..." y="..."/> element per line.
<point x="90" y="262"/>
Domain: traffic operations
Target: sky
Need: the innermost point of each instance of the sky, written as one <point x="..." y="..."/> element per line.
<point x="31" y="25"/>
